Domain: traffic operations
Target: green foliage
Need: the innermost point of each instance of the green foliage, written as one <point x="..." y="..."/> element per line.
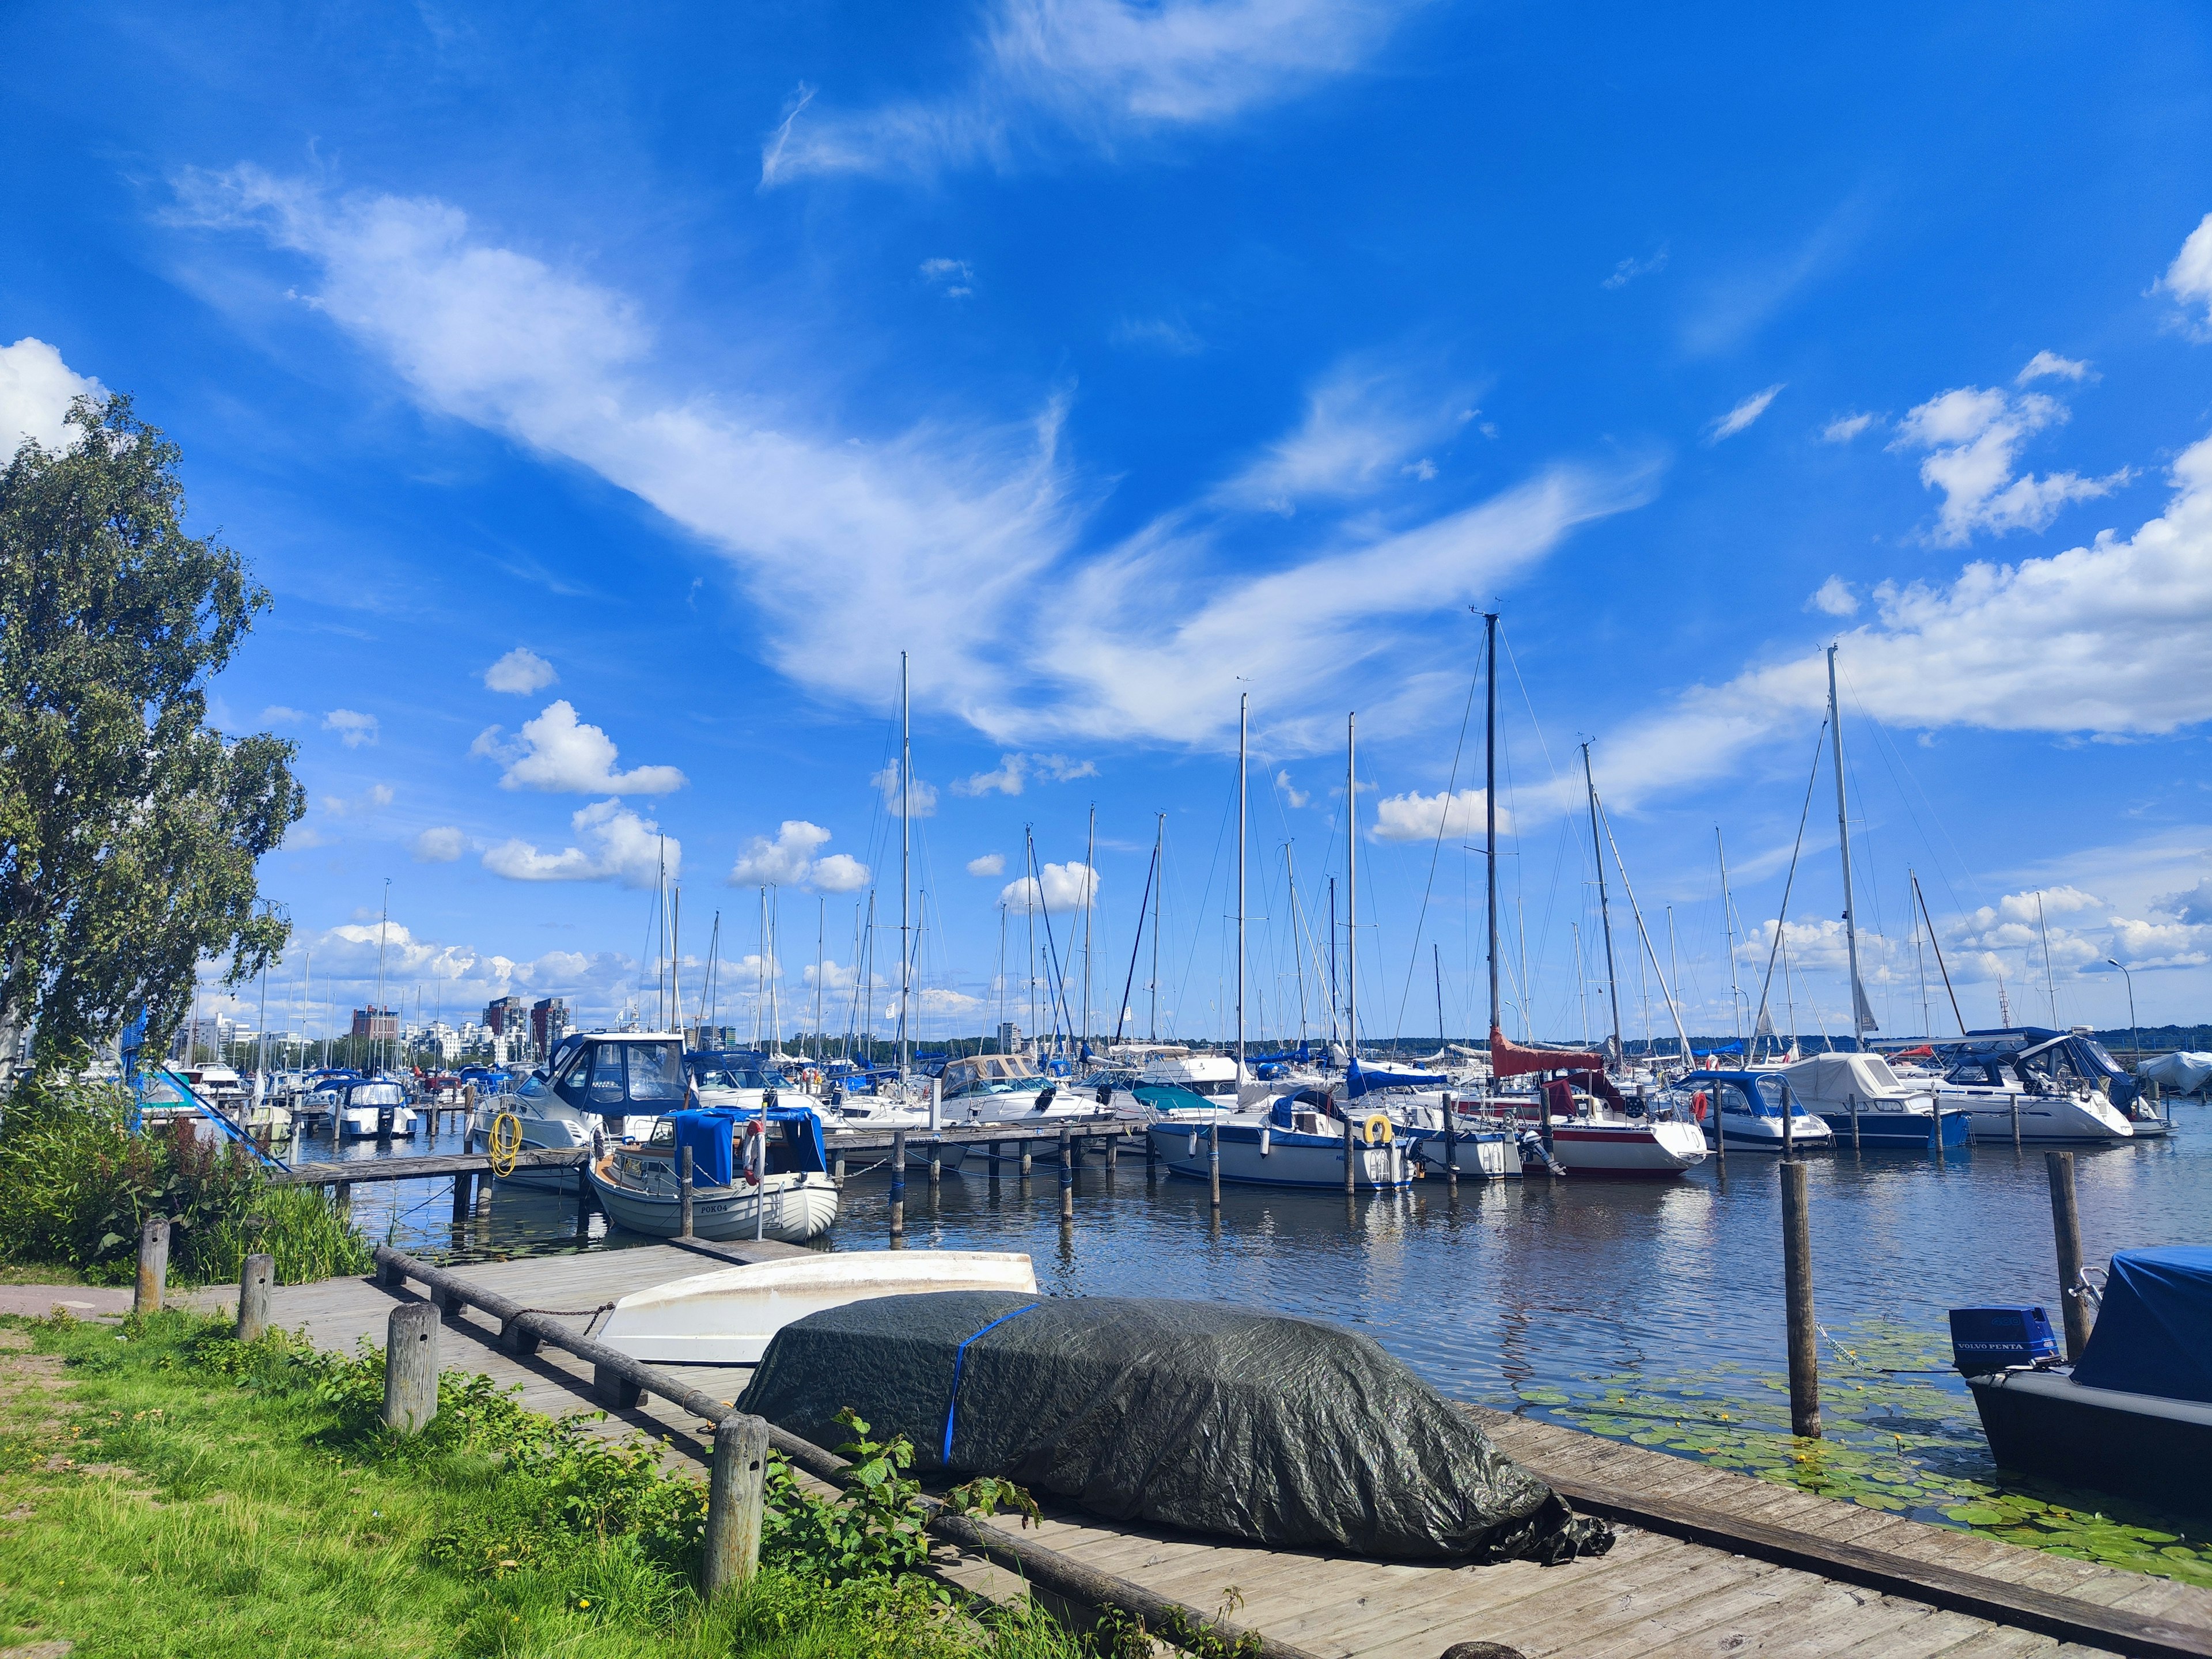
<point x="1900" y="1434"/>
<point x="129" y="830"/>
<point x="76" y="1186"/>
<point x="874" y="1527"/>
<point x="986" y="1494"/>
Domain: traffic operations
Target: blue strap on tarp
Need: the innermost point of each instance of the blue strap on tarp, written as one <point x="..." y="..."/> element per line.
<point x="960" y="1359"/>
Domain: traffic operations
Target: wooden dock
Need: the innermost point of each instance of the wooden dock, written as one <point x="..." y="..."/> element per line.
<point x="1708" y="1562"/>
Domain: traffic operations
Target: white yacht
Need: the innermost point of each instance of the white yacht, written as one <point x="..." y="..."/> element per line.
<point x="2053" y="1108"/>
<point x="617" y="1083"/>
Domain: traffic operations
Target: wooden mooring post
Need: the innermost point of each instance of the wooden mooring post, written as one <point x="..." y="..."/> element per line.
<point x="936" y="1171"/>
<point x="995" y="1165"/>
<point x="410" y="1367"/>
<point x="461" y="1201"/>
<point x="2066" y="1224"/>
<point x="2014" y="1101"/>
<point x="1797" y="1292"/>
<point x="254" y="1280"/>
<point x="1067" y="1174"/>
<point x="898" y="1188"/>
<point x="684" y="1190"/>
<point x="735" y="1490"/>
<point x="1213" y="1163"/>
<point x="153" y="1264"/>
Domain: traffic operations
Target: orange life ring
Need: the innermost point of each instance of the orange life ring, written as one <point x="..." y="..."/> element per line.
<point x="1697" y="1105"/>
<point x="754" y="1159"/>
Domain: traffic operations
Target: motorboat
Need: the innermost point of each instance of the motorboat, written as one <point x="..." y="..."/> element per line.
<point x="1593" y="1130"/>
<point x="2132" y="1415"/>
<point x="1755" y="1111"/>
<point x="1289" y="1142"/>
<point x="1008" y="1088"/>
<point x="613" y="1084"/>
<point x="2035" y="1081"/>
<point x="370" y="1108"/>
<point x="754" y="1175"/>
<point x="2183" y="1073"/>
<point x="727" y="1317"/>
<point x="1866" y="1102"/>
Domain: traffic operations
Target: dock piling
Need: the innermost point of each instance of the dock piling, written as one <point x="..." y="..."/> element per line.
<point x="1798" y="1291"/>
<point x="936" y="1171"/>
<point x="1113" y="1155"/>
<point x="1855" y="1121"/>
<point x="684" y="1190"/>
<point x="898" y="1188"/>
<point x="2066" y="1223"/>
<point x="1026" y="1150"/>
<point x="253" y="1282"/>
<point x="153" y="1264"/>
<point x="735" y="1491"/>
<point x="410" y="1367"/>
<point x="1067" y="1174"/>
<point x="1213" y="1163"/>
<point x="2012" y="1100"/>
<point x="342" y="1200"/>
<point x="460" y="1201"/>
<point x="1349" y="1186"/>
<point x="837" y="1171"/>
<point x="995" y="1165"/>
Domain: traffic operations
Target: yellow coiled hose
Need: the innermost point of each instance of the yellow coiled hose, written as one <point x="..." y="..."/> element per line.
<point x="505" y="1143"/>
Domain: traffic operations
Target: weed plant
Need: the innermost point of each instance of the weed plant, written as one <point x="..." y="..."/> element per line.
<point x="75" y="1187"/>
<point x="169" y="1491"/>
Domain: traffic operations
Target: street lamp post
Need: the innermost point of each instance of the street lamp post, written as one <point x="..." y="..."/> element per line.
<point x="2135" y="1032"/>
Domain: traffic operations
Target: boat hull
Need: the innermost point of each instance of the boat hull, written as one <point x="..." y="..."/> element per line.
<point x="2132" y="1445"/>
<point x="2046" y="1120"/>
<point x="1918" y="1132"/>
<point x="360" y="1123"/>
<point x="1255" y="1157"/>
<point x="727" y="1317"/>
<point x="799" y="1207"/>
<point x="1485" y="1154"/>
<point x="1658" y="1149"/>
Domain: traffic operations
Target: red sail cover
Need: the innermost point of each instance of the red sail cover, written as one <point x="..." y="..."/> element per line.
<point x="1511" y="1060"/>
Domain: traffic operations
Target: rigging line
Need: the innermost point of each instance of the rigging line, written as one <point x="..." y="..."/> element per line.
<point x="1893" y="758"/>
<point x="1781" y="919"/>
<point x="1144" y="904"/>
<point x="1437" y="846"/>
<point x="1182" y="985"/>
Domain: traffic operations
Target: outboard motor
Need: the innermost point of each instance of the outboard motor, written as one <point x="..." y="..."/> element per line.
<point x="1533" y="1151"/>
<point x="2004" y="1336"/>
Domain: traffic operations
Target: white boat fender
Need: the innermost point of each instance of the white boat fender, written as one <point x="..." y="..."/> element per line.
<point x="1194" y="1143"/>
<point x="1267" y="1139"/>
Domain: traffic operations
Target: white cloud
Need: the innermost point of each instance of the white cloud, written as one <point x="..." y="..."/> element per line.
<point x="1743" y="414"/>
<point x="989" y="863"/>
<point x="36" y="390"/>
<point x="789" y="860"/>
<point x="1973" y="437"/>
<point x="1845" y="428"/>
<point x="442" y="844"/>
<point x="1071" y="886"/>
<point x="950" y="277"/>
<point x="617" y="845"/>
<point x="2049" y="365"/>
<point x="1292" y="794"/>
<point x="374" y="798"/>
<point x="1005" y="780"/>
<point x="1834" y="598"/>
<point x="1101" y="69"/>
<point x="2193" y="906"/>
<point x="1170" y="334"/>
<point x="921" y="793"/>
<point x="558" y="753"/>
<point x="1629" y="269"/>
<point x="940" y="1000"/>
<point x="521" y="670"/>
<point x="2188" y="278"/>
<point x="353" y="729"/>
<point x="960" y="530"/>
<point x="277" y="714"/>
<point x="2129" y="662"/>
<point x="1416" y="816"/>
<point x="834" y="977"/>
<point x="1361" y="424"/>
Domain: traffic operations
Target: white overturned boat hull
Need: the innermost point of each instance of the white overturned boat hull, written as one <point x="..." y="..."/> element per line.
<point x="727" y="1317"/>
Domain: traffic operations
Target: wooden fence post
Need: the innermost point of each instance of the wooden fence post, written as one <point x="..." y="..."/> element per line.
<point x="254" y="1280"/>
<point x="410" y="1367"/>
<point x="153" y="1264"/>
<point x="2066" y="1223"/>
<point x="1797" y="1293"/>
<point x="734" y="1492"/>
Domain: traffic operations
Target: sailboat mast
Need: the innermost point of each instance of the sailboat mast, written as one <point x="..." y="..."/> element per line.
<point x="1437" y="956"/>
<point x="1861" y="1015"/>
<point x="821" y="929"/>
<point x="1352" y="884"/>
<point x="1297" y="947"/>
<point x="906" y="834"/>
<point x="1090" y="920"/>
<point x="1728" y="941"/>
<point x="1489" y="811"/>
<point x="1160" y="859"/>
<point x="1333" y="1003"/>
<point x="1243" y="711"/>
<point x="1604" y="913"/>
<point x="375" y="1014"/>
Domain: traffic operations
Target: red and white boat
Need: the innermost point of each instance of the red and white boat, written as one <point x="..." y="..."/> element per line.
<point x="1592" y="1130"/>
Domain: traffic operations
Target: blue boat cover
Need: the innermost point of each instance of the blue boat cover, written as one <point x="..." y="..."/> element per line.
<point x="708" y="1135"/>
<point x="2154" y="1333"/>
<point x="1363" y="1079"/>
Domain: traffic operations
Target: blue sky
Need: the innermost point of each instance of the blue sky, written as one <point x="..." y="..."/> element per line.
<point x="1116" y="362"/>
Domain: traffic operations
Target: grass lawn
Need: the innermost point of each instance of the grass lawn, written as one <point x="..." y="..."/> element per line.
<point x="166" y="1491"/>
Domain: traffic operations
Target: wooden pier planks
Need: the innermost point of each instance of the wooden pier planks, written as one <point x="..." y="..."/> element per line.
<point x="1657" y="1593"/>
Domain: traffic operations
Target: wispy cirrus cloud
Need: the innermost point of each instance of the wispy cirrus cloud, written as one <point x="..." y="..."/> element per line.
<point x="1095" y="71"/>
<point x="962" y="530"/>
<point x="1363" y="429"/>
<point x="1743" y="414"/>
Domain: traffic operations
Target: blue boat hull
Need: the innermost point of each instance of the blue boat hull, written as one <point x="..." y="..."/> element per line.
<point x="1912" y="1130"/>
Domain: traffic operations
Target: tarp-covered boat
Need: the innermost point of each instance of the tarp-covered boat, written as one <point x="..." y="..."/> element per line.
<point x="1276" y="1430"/>
<point x="2133" y="1416"/>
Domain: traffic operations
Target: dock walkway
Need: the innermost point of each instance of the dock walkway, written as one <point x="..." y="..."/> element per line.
<point x="1709" y="1562"/>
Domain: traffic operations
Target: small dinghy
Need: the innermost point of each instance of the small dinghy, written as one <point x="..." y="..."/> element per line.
<point x="2133" y="1415"/>
<point x="727" y="1317"/>
<point x="778" y="1186"/>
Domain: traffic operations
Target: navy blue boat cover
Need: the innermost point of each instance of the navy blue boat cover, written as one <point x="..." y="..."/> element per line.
<point x="1283" y="1431"/>
<point x="2154" y="1334"/>
<point x="708" y="1134"/>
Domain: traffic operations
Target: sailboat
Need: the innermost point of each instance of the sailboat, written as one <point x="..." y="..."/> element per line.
<point x="1284" y="1140"/>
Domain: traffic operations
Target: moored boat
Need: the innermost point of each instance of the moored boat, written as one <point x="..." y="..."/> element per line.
<point x="760" y="1175"/>
<point x="1863" y="1100"/>
<point x="1288" y="1143"/>
<point x="1756" y="1111"/>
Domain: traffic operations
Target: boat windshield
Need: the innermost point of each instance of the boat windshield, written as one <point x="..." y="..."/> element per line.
<point x="656" y="1071"/>
<point x="726" y="1077"/>
<point x="377" y="1094"/>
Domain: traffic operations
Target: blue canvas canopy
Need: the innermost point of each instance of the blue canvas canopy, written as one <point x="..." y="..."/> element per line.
<point x="2154" y="1333"/>
<point x="1359" y="1079"/>
<point x="795" y="1140"/>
